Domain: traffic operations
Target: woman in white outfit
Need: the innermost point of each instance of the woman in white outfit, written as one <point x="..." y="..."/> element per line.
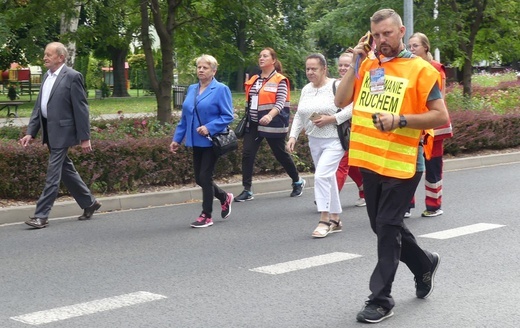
<point x="317" y="115"/>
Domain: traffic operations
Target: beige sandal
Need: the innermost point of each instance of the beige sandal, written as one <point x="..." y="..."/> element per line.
<point x="337" y="227"/>
<point x="321" y="231"/>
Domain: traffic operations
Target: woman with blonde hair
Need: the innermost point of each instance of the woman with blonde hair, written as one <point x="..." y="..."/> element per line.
<point x="207" y="110"/>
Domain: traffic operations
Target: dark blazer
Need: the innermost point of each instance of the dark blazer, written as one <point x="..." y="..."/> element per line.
<point x="68" y="120"/>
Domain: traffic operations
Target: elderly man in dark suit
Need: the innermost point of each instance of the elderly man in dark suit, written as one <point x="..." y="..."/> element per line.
<point x="61" y="110"/>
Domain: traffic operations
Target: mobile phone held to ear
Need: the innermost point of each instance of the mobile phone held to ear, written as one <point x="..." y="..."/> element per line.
<point x="369" y="40"/>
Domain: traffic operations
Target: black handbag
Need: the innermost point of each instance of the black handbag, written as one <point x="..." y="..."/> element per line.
<point x="240" y="130"/>
<point x="344" y="133"/>
<point x="223" y="142"/>
<point x="343" y="128"/>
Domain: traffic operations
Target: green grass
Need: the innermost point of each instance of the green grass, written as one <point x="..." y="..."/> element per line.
<point x="492" y="80"/>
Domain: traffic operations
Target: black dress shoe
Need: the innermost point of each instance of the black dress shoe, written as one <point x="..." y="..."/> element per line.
<point x="89" y="211"/>
<point x="37" y="222"/>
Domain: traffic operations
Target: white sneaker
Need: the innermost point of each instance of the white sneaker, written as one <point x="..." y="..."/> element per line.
<point x="407" y="214"/>
<point x="361" y="202"/>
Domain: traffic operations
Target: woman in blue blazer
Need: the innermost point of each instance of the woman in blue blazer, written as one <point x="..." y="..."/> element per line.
<point x="207" y="110"/>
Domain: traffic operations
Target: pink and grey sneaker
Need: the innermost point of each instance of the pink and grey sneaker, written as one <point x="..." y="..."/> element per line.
<point x="226" y="207"/>
<point x="202" y="222"/>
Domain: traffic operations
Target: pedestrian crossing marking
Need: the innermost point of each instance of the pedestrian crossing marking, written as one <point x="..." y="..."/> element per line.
<point x="461" y="231"/>
<point x="305" y="263"/>
<point x="81" y="309"/>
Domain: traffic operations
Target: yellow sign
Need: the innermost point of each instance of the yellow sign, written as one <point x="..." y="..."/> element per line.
<point x="391" y="100"/>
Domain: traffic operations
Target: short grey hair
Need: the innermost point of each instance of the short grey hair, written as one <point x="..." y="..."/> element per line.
<point x="60" y="48"/>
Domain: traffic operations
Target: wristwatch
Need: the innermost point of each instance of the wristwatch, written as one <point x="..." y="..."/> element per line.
<point x="402" y="121"/>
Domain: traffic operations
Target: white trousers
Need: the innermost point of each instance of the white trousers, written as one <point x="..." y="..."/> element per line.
<point x="326" y="154"/>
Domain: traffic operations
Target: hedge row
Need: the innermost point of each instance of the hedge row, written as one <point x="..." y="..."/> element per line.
<point x="125" y="165"/>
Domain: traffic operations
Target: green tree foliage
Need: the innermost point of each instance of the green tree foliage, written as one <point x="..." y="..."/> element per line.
<point x="465" y="31"/>
<point x="167" y="17"/>
<point x="236" y="31"/>
<point x="110" y="28"/>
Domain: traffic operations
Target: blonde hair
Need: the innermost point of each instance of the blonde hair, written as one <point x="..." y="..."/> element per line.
<point x="424" y="42"/>
<point x="348" y="53"/>
<point x="208" y="59"/>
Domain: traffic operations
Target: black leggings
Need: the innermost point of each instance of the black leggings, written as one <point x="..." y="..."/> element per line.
<point x="252" y="142"/>
<point x="204" y="161"/>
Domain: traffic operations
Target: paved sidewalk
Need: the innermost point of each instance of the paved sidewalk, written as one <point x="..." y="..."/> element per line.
<point x="136" y="201"/>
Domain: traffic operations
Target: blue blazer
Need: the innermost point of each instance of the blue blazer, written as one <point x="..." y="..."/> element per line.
<point x="215" y="109"/>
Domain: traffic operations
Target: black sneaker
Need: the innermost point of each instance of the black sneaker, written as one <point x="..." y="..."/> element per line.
<point x="226" y="207"/>
<point x="297" y="188"/>
<point x="202" y="222"/>
<point x="373" y="313"/>
<point x="424" y="284"/>
<point x="244" y="195"/>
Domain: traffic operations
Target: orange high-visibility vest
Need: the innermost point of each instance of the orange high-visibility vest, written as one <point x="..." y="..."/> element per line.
<point x="408" y="82"/>
<point x="279" y="126"/>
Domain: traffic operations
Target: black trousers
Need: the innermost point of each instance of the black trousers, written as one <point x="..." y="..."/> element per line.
<point x="252" y="142"/>
<point x="204" y="161"/>
<point x="387" y="200"/>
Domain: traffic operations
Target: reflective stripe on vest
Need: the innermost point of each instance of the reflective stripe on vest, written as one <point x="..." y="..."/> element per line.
<point x="392" y="153"/>
<point x="279" y="126"/>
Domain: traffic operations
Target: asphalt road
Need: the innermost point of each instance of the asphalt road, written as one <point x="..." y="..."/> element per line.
<point x="148" y="268"/>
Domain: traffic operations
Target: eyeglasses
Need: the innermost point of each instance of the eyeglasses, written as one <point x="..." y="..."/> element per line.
<point x="413" y="46"/>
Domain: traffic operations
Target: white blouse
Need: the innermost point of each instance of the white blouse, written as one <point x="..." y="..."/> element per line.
<point x="321" y="101"/>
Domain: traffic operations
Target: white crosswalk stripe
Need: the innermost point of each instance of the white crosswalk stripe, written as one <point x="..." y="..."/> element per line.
<point x="81" y="309"/>
<point x="461" y="231"/>
<point x="305" y="263"/>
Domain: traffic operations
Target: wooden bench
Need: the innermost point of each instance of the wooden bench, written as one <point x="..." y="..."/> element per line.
<point x="8" y="105"/>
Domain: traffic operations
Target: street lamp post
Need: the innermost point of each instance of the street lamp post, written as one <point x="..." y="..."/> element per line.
<point x="408" y="19"/>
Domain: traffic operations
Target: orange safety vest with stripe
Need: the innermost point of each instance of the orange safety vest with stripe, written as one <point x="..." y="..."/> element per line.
<point x="408" y="82"/>
<point x="279" y="126"/>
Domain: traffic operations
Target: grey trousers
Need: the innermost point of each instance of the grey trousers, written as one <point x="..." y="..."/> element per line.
<point x="61" y="168"/>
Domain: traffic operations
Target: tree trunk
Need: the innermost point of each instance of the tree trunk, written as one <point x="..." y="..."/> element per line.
<point x="70" y="25"/>
<point x="242" y="48"/>
<point x="118" y="62"/>
<point x="162" y="88"/>
<point x="467" y="70"/>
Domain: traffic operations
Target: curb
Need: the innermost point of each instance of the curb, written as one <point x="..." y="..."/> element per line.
<point x="63" y="209"/>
